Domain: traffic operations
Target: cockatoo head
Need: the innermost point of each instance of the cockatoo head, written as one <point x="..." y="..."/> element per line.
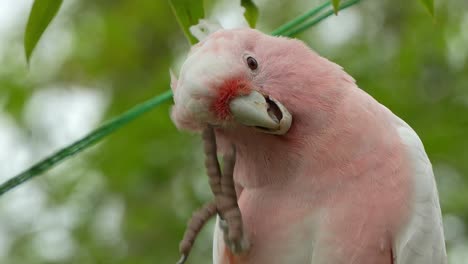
<point x="243" y="77"/>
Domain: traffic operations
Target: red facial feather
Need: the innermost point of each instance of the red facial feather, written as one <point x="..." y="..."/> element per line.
<point x="230" y="89"/>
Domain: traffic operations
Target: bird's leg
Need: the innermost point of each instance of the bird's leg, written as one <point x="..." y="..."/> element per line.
<point x="222" y="186"/>
<point x="225" y="203"/>
<point x="231" y="222"/>
<point x="198" y="220"/>
<point x="211" y="162"/>
<point x="202" y="216"/>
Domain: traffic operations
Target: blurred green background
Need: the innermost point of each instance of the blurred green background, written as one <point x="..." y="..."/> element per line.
<point x="127" y="199"/>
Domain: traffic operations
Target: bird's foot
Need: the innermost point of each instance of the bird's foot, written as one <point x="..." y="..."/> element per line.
<point x="223" y="188"/>
<point x="237" y="244"/>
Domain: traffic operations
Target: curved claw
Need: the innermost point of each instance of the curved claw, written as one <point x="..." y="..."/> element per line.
<point x="182" y="259"/>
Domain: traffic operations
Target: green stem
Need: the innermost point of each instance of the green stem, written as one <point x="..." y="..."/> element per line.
<point x="112" y="125"/>
<point x="299" y="20"/>
<point x="89" y="140"/>
<point x="313" y="22"/>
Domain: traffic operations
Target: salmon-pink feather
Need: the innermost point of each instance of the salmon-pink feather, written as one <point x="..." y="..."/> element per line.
<point x="340" y="186"/>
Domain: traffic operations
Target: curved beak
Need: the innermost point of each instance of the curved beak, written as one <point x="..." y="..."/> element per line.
<point x="262" y="112"/>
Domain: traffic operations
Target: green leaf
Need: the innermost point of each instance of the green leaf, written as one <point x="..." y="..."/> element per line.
<point x="429" y="4"/>
<point x="208" y="6"/>
<point x="336" y="5"/>
<point x="188" y="13"/>
<point x="42" y="12"/>
<point x="251" y="12"/>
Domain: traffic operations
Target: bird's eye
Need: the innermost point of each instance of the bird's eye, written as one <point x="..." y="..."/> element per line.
<point x="253" y="65"/>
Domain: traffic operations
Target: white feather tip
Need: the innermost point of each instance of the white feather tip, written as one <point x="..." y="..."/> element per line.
<point x="204" y="28"/>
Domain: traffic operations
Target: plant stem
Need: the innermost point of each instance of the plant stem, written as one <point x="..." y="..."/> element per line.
<point x="311" y="23"/>
<point x="299" y="20"/>
<point x="89" y="140"/>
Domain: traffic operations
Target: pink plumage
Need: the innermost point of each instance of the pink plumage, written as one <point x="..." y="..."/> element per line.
<point x="326" y="173"/>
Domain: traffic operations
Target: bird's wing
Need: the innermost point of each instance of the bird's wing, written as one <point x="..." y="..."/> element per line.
<point x="421" y="241"/>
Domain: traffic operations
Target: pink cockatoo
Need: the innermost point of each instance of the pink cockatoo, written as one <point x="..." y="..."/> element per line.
<point x="324" y="173"/>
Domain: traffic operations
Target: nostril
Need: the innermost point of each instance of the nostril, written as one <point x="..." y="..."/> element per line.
<point x="273" y="110"/>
